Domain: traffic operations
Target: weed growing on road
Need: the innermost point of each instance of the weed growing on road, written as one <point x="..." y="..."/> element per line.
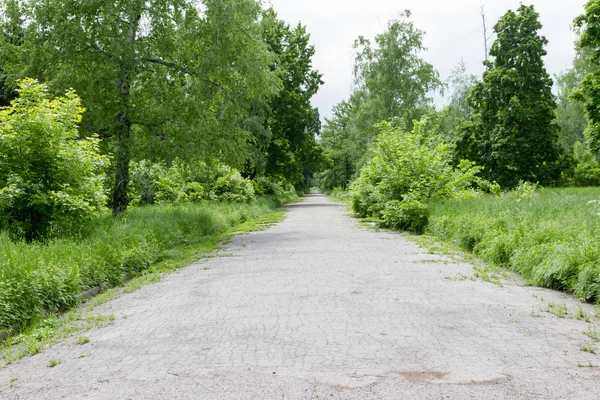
<point x="592" y="333"/>
<point x="588" y="347"/>
<point x="485" y="272"/>
<point x="538" y="296"/>
<point x="582" y="315"/>
<point x="459" y="277"/>
<point x="146" y="278"/>
<point x="53" y="362"/>
<point x="45" y="332"/>
<point x="13" y="379"/>
<point x="83" y="340"/>
<point x="560" y="310"/>
<point x="588" y="365"/>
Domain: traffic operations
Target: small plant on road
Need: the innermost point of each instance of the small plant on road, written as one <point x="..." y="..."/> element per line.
<point x="588" y="347"/>
<point x="53" y="362"/>
<point x="592" y="333"/>
<point x="560" y="310"/>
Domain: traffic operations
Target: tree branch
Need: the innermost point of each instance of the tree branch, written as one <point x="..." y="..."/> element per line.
<point x="170" y="65"/>
<point x="184" y="70"/>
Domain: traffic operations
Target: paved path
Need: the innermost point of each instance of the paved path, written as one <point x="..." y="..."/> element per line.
<point x="320" y="308"/>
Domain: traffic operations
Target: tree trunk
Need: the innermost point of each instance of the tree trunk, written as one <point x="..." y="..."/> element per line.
<point x="121" y="188"/>
<point x="123" y="156"/>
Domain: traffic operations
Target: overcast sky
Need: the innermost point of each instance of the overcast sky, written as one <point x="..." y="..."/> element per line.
<point x="451" y="28"/>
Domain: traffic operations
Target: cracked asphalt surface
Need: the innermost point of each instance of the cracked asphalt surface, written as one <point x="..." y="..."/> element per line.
<point x="319" y="307"/>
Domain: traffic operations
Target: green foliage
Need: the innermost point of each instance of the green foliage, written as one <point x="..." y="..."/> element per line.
<point x="586" y="171"/>
<point x="163" y="78"/>
<point x="408" y="215"/>
<point x="407" y="171"/>
<point x="393" y="83"/>
<point x="345" y="139"/>
<point x="589" y="92"/>
<point x="232" y="187"/>
<point x="550" y="236"/>
<point x="293" y="153"/>
<point x="37" y="278"/>
<point x="267" y="186"/>
<point x="48" y="175"/>
<point x="397" y="79"/>
<point x="180" y="183"/>
<point x="512" y="134"/>
<point x="156" y="183"/>
<point x="570" y="112"/>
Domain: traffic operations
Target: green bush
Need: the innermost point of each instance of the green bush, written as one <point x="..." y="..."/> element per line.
<point x="181" y="183"/>
<point x="49" y="177"/>
<point x="155" y="183"/>
<point x="264" y="186"/>
<point x="407" y="215"/>
<point x="587" y="167"/>
<point x="232" y="187"/>
<point x="412" y="168"/>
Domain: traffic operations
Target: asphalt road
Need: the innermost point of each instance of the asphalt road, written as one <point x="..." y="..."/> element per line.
<point x="319" y="307"/>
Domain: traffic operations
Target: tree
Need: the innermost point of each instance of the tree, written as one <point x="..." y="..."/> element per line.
<point x="48" y="176"/>
<point x="458" y="110"/>
<point x="392" y="82"/>
<point x="484" y="31"/>
<point x="570" y="112"/>
<point x="293" y="122"/>
<point x="512" y="134"/>
<point x="11" y="34"/>
<point x="392" y="72"/>
<point x="589" y="92"/>
<point x="154" y="73"/>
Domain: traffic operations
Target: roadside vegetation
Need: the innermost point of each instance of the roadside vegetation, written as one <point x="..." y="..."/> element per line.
<point x="506" y="170"/>
<point x="135" y="140"/>
<point x="41" y="278"/>
<point x="550" y="236"/>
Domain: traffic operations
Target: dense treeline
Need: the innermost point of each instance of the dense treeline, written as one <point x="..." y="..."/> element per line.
<point x="214" y="88"/>
<point x="508" y="121"/>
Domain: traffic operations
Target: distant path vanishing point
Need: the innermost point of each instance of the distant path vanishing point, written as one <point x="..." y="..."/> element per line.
<point x="318" y="307"/>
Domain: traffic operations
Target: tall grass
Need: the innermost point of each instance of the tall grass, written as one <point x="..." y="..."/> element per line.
<point x="551" y="237"/>
<point x="38" y="278"/>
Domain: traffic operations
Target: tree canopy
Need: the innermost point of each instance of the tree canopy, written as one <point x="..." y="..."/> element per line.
<point x="152" y="73"/>
<point x="512" y="133"/>
<point x="293" y="121"/>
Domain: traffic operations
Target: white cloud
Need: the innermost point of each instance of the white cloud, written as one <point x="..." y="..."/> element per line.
<point x="451" y="28"/>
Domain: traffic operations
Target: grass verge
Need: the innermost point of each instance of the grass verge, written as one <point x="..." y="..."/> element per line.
<point x="40" y="282"/>
<point x="551" y="238"/>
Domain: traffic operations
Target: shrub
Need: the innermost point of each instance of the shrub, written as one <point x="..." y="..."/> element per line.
<point x="587" y="168"/>
<point x="270" y="187"/>
<point x="232" y="187"/>
<point x="411" y="168"/>
<point x="408" y="215"/>
<point x="49" y="177"/>
<point x="180" y="183"/>
<point x="156" y="183"/>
